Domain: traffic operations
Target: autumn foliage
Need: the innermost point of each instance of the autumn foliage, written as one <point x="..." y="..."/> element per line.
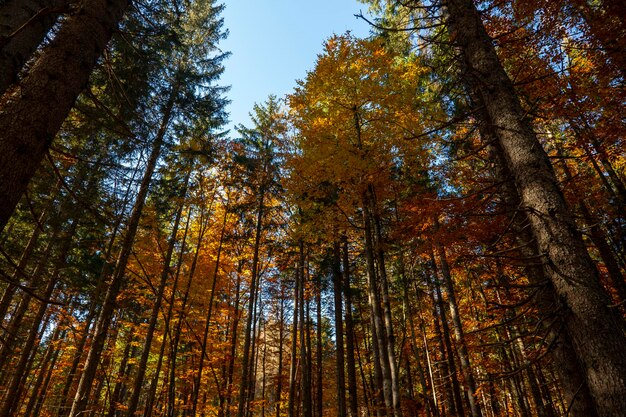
<point x="366" y="246"/>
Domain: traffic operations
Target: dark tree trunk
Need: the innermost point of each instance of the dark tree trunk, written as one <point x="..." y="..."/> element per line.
<point x="294" y="348"/>
<point x="459" y="334"/>
<point x="596" y="331"/>
<point x="14" y="390"/>
<point x="123" y="370"/>
<point x="203" y="348"/>
<point x="350" y="343"/>
<point x="337" y="290"/>
<point x="171" y="397"/>
<point x="31" y="245"/>
<point x="244" y="389"/>
<point x="281" y="339"/>
<point x="233" y="344"/>
<point x="23" y="26"/>
<point x="318" y="353"/>
<point x="32" y="114"/>
<point x="305" y="346"/>
<point x="47" y="364"/>
<point x="156" y="309"/>
<point x="108" y="306"/>
<point x="571" y="375"/>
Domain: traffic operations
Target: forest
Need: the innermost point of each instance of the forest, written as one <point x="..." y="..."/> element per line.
<point x="432" y="223"/>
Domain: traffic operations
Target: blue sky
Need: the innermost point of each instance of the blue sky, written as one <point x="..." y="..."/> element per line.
<point x="275" y="42"/>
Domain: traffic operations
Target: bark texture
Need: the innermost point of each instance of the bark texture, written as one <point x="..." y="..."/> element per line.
<point x="23" y="26"/>
<point x="32" y="114"/>
<point x="596" y="330"/>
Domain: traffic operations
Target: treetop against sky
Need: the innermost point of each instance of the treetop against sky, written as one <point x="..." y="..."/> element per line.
<point x="275" y="42"/>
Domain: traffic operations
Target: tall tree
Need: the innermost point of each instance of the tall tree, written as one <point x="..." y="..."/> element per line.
<point x="31" y="115"/>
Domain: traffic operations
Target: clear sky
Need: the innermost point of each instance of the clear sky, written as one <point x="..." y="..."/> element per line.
<point x="275" y="42"/>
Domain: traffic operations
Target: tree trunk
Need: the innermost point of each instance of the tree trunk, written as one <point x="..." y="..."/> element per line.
<point x="233" y="344"/>
<point x="32" y="114"/>
<point x="386" y="303"/>
<point x="23" y="26"/>
<point x="447" y="363"/>
<point x="281" y="339"/>
<point x="171" y="397"/>
<point x="318" y="353"/>
<point x="15" y="324"/>
<point x="156" y="309"/>
<point x="38" y="390"/>
<point x="245" y="377"/>
<point x="596" y="331"/>
<point x="379" y="340"/>
<point x="305" y="363"/>
<point x="207" y="324"/>
<point x="123" y="370"/>
<point x="459" y="335"/>
<point x="9" y="291"/>
<point x="350" y="362"/>
<point x="294" y="347"/>
<point x="108" y="306"/>
<point x="571" y="375"/>
<point x="337" y="290"/>
<point x="409" y="322"/>
<point x="14" y="390"/>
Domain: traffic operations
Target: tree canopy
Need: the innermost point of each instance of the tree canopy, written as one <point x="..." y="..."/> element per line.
<point x="432" y="223"/>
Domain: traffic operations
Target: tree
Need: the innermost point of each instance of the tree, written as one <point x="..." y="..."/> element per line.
<point x="569" y="266"/>
<point x="32" y="114"/>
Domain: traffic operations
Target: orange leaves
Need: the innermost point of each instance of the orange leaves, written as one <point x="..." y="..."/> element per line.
<point x="353" y="115"/>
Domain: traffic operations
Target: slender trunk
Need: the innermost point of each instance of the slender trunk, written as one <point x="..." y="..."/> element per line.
<point x="409" y="322"/>
<point x="156" y="309"/>
<point x="167" y="331"/>
<point x="281" y="339"/>
<point x="21" y="370"/>
<point x="43" y="394"/>
<point x="207" y="324"/>
<point x="115" y="398"/>
<point x="15" y="324"/>
<point x="350" y="362"/>
<point x="447" y="363"/>
<point x="64" y="400"/>
<point x="14" y="390"/>
<point x="245" y="377"/>
<point x="254" y="349"/>
<point x="305" y="364"/>
<point x="171" y="397"/>
<point x="233" y="344"/>
<point x="386" y="303"/>
<point x="264" y="370"/>
<point x="108" y="306"/>
<point x="39" y="388"/>
<point x="337" y="289"/>
<point x="379" y="339"/>
<point x="430" y="368"/>
<point x="318" y="353"/>
<point x="458" y="332"/>
<point x="379" y="342"/>
<point x="9" y="291"/>
<point x="294" y="347"/>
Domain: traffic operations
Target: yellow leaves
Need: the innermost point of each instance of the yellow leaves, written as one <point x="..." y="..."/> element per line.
<point x="356" y="116"/>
